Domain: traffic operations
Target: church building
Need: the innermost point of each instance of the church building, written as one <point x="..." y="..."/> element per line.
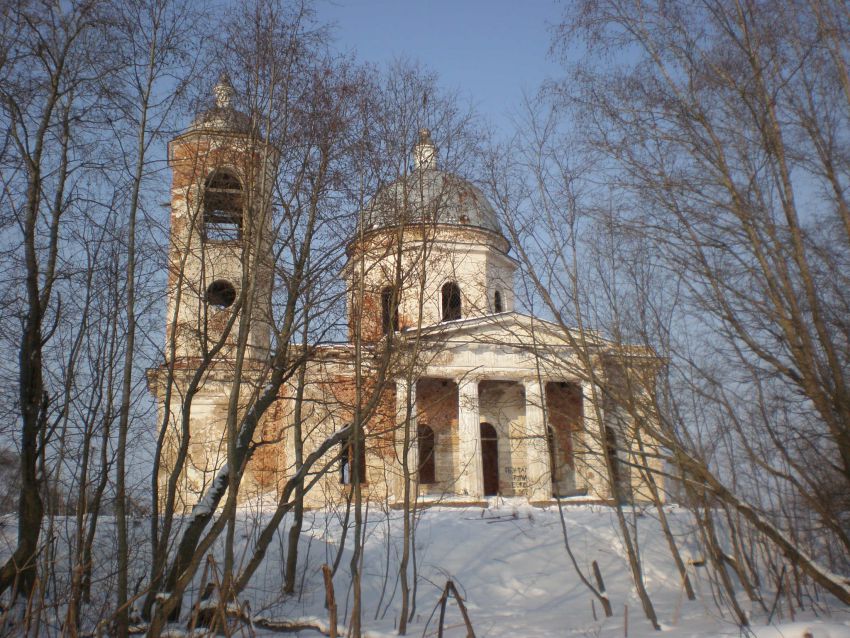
<point x="490" y="401"/>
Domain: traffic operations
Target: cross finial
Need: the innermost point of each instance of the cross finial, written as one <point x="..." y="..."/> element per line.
<point x="224" y="92"/>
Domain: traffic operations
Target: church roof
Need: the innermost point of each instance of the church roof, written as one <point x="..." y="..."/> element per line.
<point x="429" y="195"/>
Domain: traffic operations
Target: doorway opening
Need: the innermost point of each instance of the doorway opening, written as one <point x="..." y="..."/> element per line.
<point x="490" y="459"/>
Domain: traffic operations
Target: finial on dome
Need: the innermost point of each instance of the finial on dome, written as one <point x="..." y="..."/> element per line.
<point x="223" y="92"/>
<point x="424" y="152"/>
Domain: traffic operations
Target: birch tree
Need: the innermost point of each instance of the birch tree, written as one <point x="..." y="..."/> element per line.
<point x="707" y="153"/>
<point x="47" y="74"/>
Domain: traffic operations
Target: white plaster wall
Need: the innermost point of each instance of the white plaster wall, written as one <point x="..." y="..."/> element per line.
<point x="478" y="267"/>
<point x="207" y="452"/>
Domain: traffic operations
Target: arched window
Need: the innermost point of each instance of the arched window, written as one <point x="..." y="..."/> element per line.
<point x="389" y="311"/>
<point x="497" y="302"/>
<point x="223" y="204"/>
<point x="346" y="463"/>
<point x="451" y="301"/>
<point x="427" y="466"/>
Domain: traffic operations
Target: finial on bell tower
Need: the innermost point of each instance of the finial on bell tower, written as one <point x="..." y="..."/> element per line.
<point x="424" y="152"/>
<point x="223" y="116"/>
<point x="224" y="92"/>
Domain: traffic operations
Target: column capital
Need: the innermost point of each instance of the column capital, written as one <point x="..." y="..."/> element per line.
<point x="401" y="385"/>
<point x="533" y="383"/>
<point x="468" y="382"/>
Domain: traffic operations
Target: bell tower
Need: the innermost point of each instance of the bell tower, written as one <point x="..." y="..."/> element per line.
<point x="220" y="262"/>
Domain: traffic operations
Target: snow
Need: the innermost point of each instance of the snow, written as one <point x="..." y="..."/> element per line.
<point x="792" y="629"/>
<point x="206" y="504"/>
<point x="506" y="559"/>
<point x="508" y="562"/>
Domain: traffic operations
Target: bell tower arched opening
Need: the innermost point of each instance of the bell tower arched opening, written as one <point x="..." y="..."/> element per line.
<point x="223" y="204"/>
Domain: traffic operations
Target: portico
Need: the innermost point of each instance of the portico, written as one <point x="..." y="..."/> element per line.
<point x="491" y="436"/>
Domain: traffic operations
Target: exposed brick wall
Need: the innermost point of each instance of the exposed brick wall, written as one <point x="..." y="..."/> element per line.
<point x="341" y="393"/>
<point x="370" y="318"/>
<point x="270" y="463"/>
<point x="437" y="407"/>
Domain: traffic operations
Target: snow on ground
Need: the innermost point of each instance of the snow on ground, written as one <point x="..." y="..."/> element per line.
<point x="509" y="563"/>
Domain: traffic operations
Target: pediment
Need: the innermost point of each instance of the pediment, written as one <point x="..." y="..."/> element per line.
<point x="513" y="329"/>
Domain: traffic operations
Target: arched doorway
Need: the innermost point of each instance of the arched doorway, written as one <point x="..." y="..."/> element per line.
<point x="346" y="463"/>
<point x="490" y="459"/>
<point x="552" y="448"/>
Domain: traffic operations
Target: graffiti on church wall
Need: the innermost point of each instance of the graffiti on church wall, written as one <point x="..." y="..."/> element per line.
<point x="517" y="476"/>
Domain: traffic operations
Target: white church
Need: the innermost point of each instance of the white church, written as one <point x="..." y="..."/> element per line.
<point x="493" y="402"/>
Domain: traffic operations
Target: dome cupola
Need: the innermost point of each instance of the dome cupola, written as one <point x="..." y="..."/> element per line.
<point x="446" y="237"/>
<point x="428" y="195"/>
<point x="223" y="116"/>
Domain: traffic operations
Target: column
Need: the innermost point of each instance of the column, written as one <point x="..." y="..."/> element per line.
<point x="591" y="468"/>
<point x="471" y="480"/>
<point x="403" y="393"/>
<point x="537" y="444"/>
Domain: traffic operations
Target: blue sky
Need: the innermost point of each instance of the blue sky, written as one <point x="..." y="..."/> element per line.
<point x="489" y="50"/>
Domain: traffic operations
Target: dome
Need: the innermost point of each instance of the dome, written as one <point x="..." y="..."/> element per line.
<point x="222" y="117"/>
<point x="430" y="195"/>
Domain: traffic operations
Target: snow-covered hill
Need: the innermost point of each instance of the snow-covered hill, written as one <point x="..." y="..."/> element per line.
<point x="509" y="563"/>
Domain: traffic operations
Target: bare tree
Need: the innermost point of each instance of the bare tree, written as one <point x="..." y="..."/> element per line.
<point x="538" y="187"/>
<point x="47" y="72"/>
<point x="159" y="35"/>
<point x="719" y="145"/>
<point x="300" y="105"/>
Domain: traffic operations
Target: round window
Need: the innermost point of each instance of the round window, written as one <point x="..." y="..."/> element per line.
<point x="221" y="293"/>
